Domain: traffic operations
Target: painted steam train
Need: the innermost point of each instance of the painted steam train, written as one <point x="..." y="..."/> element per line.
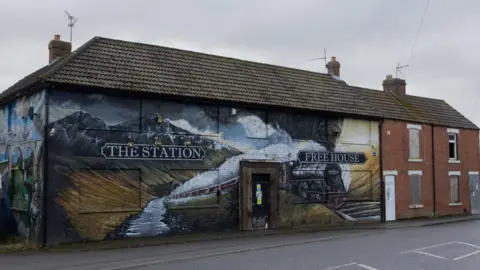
<point x="320" y="183"/>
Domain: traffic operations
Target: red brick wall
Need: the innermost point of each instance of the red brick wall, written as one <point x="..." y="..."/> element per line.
<point x="395" y="154"/>
<point x="468" y="154"/>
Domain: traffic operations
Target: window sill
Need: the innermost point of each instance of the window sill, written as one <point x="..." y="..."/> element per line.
<point x="415" y="160"/>
<point x="456" y="204"/>
<point x="454" y="161"/>
<point x="415" y="206"/>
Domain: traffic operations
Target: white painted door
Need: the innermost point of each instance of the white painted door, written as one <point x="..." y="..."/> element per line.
<point x="389" y="197"/>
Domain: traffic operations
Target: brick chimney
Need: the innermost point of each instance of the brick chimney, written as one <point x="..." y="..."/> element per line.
<point x="58" y="48"/>
<point x="394" y="85"/>
<point x="333" y="67"/>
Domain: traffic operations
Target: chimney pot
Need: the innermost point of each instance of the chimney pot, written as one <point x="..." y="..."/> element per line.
<point x="333" y="67"/>
<point x="396" y="86"/>
<point x="58" y="48"/>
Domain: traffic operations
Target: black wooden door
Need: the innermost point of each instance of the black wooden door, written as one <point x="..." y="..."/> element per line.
<point x="260" y="200"/>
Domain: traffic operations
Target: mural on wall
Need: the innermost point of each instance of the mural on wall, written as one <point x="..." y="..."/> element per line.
<point x="3" y="128"/>
<point x="125" y="169"/>
<point x="22" y="166"/>
<point x="7" y="220"/>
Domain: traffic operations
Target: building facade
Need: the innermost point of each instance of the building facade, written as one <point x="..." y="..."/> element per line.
<point x="127" y="167"/>
<point x="435" y="174"/>
<point x="176" y="141"/>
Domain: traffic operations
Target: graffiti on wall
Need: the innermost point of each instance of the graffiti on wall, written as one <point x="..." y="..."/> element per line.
<point x="22" y="166"/>
<point x="125" y="169"/>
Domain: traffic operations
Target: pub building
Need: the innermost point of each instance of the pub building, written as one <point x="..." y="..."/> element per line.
<point x="121" y="140"/>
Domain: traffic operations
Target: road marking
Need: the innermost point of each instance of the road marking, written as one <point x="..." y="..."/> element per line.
<point x="423" y="248"/>
<point x="468" y="255"/>
<point x="248" y="249"/>
<point x="430" y="254"/>
<point x="351" y="264"/>
<point x="366" y="267"/>
<point x="340" y="266"/>
<point x="467" y="244"/>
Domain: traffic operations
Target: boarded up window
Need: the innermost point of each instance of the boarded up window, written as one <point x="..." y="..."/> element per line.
<point x="169" y="117"/>
<point x="414" y="143"/>
<point x="454" y="195"/>
<point x="302" y="126"/>
<point x="107" y="191"/>
<point x="474" y="181"/>
<point x="356" y="131"/>
<point x="233" y="121"/>
<point x="415" y="190"/>
<point x="94" y="112"/>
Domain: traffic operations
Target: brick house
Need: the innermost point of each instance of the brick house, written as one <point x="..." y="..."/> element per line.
<point x="120" y="139"/>
<point x="433" y="159"/>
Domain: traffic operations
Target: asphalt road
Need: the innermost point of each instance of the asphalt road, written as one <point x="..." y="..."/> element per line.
<point x="451" y="246"/>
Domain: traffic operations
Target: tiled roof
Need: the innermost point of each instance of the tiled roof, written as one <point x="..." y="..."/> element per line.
<point x="28" y="81"/>
<point x="129" y="66"/>
<point x="415" y="109"/>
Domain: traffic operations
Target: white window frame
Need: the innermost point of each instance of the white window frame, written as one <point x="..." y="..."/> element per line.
<point x="390" y="172"/>
<point x="420" y="174"/>
<point x="454" y="132"/>
<point x="457" y="174"/>
<point x="419" y="128"/>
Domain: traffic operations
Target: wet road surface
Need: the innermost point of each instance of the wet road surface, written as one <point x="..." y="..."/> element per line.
<point x="451" y="246"/>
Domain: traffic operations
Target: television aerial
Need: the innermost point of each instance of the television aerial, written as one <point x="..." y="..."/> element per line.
<point x="320" y="58"/>
<point x="71" y="23"/>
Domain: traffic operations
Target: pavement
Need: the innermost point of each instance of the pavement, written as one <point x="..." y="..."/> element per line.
<point x="447" y="245"/>
<point x="212" y="236"/>
<point x="236" y="234"/>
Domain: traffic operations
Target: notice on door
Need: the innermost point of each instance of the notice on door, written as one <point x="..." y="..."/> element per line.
<point x="259" y="194"/>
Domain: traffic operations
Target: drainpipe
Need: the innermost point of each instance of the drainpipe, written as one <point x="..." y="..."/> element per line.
<point x="382" y="184"/>
<point x="433" y="172"/>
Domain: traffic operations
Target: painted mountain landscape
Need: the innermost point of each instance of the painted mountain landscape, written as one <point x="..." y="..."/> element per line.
<point x="131" y="168"/>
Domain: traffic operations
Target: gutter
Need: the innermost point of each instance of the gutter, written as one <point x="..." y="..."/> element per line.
<point x="382" y="183"/>
<point x="433" y="172"/>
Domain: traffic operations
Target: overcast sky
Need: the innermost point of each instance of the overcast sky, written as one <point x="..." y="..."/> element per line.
<point x="368" y="37"/>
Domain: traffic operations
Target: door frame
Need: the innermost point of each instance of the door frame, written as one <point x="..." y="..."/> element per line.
<point x="470" y="192"/>
<point x="247" y="168"/>
<point x="393" y="173"/>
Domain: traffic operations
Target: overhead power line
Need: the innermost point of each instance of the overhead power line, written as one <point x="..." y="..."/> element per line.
<point x="419" y="30"/>
<point x="400" y="67"/>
